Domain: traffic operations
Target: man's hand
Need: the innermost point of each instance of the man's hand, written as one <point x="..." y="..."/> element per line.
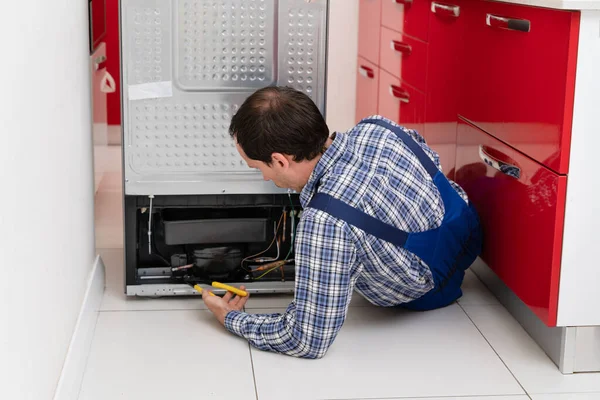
<point x="220" y="306"/>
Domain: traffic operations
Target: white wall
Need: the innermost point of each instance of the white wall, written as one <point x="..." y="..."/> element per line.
<point x="46" y="198"/>
<point x="342" y="60"/>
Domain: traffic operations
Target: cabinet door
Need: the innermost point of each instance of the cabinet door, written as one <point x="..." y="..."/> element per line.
<point x="97" y="22"/>
<point x="403" y="57"/>
<point x="400" y="102"/>
<point x="519" y="77"/>
<point x="446" y="33"/>
<point x="367" y="88"/>
<point x="407" y="16"/>
<point x="369" y="21"/>
<point x="521" y="206"/>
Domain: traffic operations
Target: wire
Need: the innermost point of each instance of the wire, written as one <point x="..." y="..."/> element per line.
<point x="265" y="250"/>
<point x="150" y="226"/>
<point x="292" y="215"/>
<point x="284" y="222"/>
<point x="269" y="259"/>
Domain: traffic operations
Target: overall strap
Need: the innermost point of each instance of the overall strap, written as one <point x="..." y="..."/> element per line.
<point x="358" y="218"/>
<point x="417" y="150"/>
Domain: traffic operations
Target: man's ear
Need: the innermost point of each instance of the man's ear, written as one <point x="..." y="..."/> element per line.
<point x="280" y="160"/>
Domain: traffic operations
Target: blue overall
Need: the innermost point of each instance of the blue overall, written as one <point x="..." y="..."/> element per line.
<point x="448" y="250"/>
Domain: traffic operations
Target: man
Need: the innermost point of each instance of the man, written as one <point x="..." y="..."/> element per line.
<point x="379" y="218"/>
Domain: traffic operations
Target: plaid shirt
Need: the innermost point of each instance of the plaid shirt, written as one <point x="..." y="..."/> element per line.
<point x="371" y="169"/>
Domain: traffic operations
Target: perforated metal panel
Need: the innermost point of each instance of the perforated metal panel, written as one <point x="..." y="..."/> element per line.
<point x="226" y="44"/>
<point x="187" y="67"/>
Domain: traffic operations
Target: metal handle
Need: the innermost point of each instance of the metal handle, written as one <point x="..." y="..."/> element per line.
<point x="445" y="9"/>
<point x="99" y="62"/>
<point x="405" y="2"/>
<point x="401" y="47"/>
<point x="366" y="72"/>
<point x="494" y="162"/>
<point x="513" y="24"/>
<point x="399" y="93"/>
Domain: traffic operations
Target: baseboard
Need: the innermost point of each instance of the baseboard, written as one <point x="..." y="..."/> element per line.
<point x="74" y="367"/>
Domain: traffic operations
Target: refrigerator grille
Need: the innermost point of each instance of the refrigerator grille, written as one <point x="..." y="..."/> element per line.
<point x="187" y="67"/>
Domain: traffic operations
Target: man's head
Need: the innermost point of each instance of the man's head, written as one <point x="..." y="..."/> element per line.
<point x="281" y="132"/>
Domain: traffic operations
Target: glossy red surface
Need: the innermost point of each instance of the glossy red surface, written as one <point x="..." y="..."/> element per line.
<point x="369" y="20"/>
<point x="367" y="87"/>
<point x="444" y="67"/>
<point x="519" y="86"/>
<point x="114" y="60"/>
<point x="400" y="102"/>
<point x="522" y="218"/>
<point x="98" y="21"/>
<point x="411" y="18"/>
<point x="404" y="57"/>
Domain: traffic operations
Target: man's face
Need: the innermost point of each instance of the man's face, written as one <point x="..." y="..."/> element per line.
<point x="278" y="172"/>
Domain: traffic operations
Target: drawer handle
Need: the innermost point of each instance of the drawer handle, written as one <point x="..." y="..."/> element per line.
<point x="504" y="167"/>
<point x="399" y="93"/>
<point x="405" y="2"/>
<point x="444" y="9"/>
<point x="495" y="21"/>
<point x="366" y="72"/>
<point x="401" y="47"/>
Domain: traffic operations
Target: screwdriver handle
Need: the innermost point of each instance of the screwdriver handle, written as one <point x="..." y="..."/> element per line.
<point x="199" y="289"/>
<point x="232" y="289"/>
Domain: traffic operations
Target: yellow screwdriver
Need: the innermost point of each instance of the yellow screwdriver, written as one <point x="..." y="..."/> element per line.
<point x="223" y="286"/>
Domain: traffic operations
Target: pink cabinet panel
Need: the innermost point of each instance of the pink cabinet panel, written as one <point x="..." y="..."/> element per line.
<point x="367" y="88"/>
<point x="369" y="21"/>
<point x="400" y="102"/>
<point x="407" y="16"/>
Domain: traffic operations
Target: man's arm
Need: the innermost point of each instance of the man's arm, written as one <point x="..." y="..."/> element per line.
<point x="324" y="255"/>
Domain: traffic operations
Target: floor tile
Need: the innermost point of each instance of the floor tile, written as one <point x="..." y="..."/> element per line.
<point x="528" y="362"/>
<point x="475" y="292"/>
<point x="166" y="355"/>
<point x="567" y="396"/>
<point x="386" y="353"/>
<point x="116" y="300"/>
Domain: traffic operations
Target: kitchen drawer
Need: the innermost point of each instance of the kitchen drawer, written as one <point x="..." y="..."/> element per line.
<point x="369" y="22"/>
<point x="403" y="57"/>
<point x="367" y="88"/>
<point x="521" y="205"/>
<point x="400" y="102"/>
<point x="408" y="16"/>
<point x="519" y="77"/>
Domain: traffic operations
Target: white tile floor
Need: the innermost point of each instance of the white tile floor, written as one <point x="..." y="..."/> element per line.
<point x="173" y="348"/>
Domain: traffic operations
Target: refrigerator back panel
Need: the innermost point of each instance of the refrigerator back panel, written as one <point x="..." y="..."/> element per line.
<point x="187" y="67"/>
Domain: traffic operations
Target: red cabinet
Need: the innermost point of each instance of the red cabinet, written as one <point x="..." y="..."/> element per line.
<point x="403" y="57"/>
<point x="444" y="68"/>
<point x="507" y="73"/>
<point x="367" y="89"/>
<point x="408" y="16"/>
<point x="400" y="102"/>
<point x="97" y="22"/>
<point x="369" y="19"/>
<point x="521" y="205"/>
<point x="519" y="70"/>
